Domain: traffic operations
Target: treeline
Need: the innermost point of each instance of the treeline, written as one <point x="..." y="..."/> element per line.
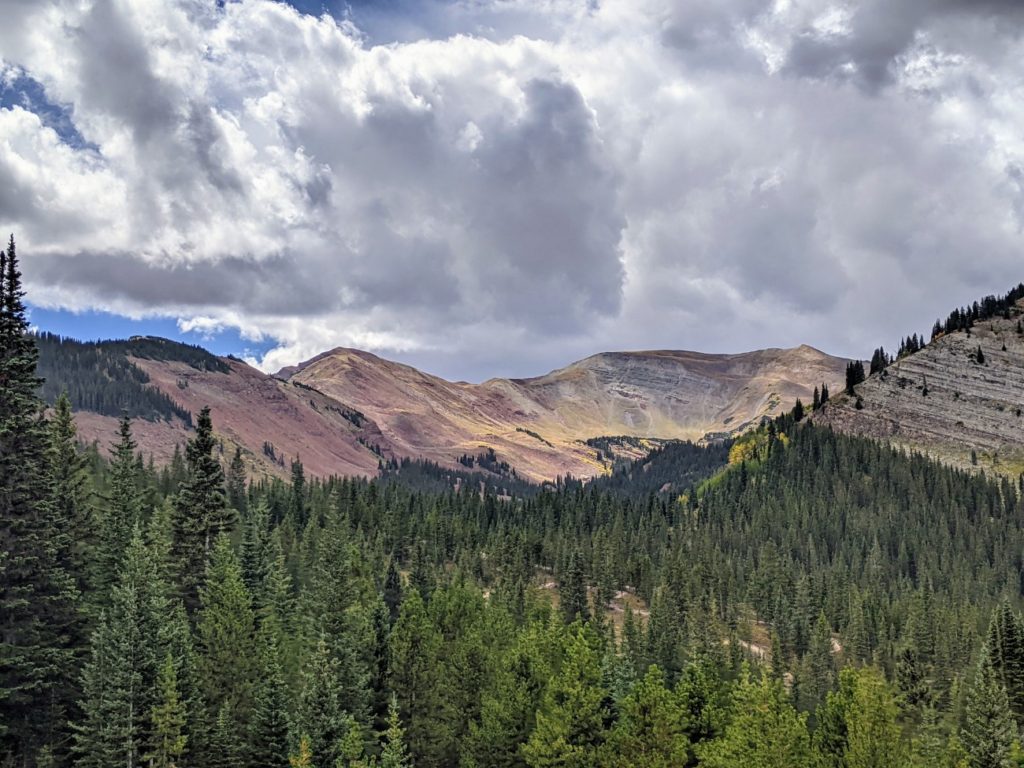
<point x="824" y="601"/>
<point x="101" y="379"/>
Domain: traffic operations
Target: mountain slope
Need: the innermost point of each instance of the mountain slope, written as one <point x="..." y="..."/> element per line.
<point x="161" y="384"/>
<point x="943" y="401"/>
<point x="541" y="425"/>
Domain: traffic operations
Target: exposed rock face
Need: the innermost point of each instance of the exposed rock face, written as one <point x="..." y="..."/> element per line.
<point x="942" y="401"/>
<point x="538" y="425"/>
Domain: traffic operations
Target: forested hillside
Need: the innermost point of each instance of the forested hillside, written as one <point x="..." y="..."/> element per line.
<point x="820" y="601"/>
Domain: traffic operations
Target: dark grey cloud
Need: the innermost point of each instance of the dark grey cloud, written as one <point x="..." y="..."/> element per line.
<point x="880" y="32"/>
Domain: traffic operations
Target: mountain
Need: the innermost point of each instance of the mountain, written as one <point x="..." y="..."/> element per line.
<point x="161" y="383"/>
<point x="541" y="426"/>
<point x="947" y="400"/>
<point x="345" y="410"/>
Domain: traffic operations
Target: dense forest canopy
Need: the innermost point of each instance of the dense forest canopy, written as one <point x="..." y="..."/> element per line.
<point x="797" y="598"/>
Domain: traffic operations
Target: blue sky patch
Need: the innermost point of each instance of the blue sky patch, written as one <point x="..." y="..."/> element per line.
<point x="27" y="93"/>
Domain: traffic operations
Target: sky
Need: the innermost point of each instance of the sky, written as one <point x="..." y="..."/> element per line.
<point x="498" y="187"/>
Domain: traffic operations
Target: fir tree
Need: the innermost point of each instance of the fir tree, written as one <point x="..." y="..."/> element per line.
<point x="651" y="730"/>
<point x="119" y="680"/>
<point x="201" y="511"/>
<point x="416" y="681"/>
<point x="236" y="484"/>
<point x="270" y="729"/>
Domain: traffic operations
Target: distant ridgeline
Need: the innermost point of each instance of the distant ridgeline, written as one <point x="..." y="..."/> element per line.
<point x="100" y="377"/>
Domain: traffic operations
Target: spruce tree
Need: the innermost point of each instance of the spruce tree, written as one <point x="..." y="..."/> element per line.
<point x="121" y="512"/>
<point x="321" y="720"/>
<point x="874" y="738"/>
<point x="236" y="484"/>
<point x="201" y="511"/>
<point x="119" y="680"/>
<point x="572" y="590"/>
<point x="416" y="680"/>
<point x="226" y="636"/>
<point x="989" y="729"/>
<point x="167" y="738"/>
<point x="394" y="753"/>
<point x="269" y="732"/>
<point x="38" y="600"/>
<point x="651" y="729"/>
<point x="1006" y="646"/>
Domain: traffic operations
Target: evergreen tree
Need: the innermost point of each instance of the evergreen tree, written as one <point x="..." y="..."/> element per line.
<point x="167" y="738"/>
<point x="228" y="653"/>
<point x="854" y="375"/>
<point x="573" y="590"/>
<point x="236" y="484"/>
<point x="765" y="731"/>
<point x="69" y="497"/>
<point x="651" y="730"/>
<point x="416" y="681"/>
<point x="119" y="682"/>
<point x="269" y="733"/>
<point x="322" y="720"/>
<point x="989" y="729"/>
<point x="874" y="738"/>
<point x="1006" y="647"/>
<point x="394" y="753"/>
<point x="570" y="726"/>
<point x="38" y="601"/>
<point x="201" y="511"/>
<point x="123" y="509"/>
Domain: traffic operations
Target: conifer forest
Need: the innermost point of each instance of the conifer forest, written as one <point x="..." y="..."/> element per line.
<point x="796" y="599"/>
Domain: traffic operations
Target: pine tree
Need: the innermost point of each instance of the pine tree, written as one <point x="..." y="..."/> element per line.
<point x="201" y="511"/>
<point x="38" y="601"/>
<point x="167" y="737"/>
<point x="989" y="729"/>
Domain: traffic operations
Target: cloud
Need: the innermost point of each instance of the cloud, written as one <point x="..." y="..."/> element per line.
<point x="502" y="186"/>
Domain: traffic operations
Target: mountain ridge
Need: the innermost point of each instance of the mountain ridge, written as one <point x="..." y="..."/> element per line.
<point x="346" y="409"/>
